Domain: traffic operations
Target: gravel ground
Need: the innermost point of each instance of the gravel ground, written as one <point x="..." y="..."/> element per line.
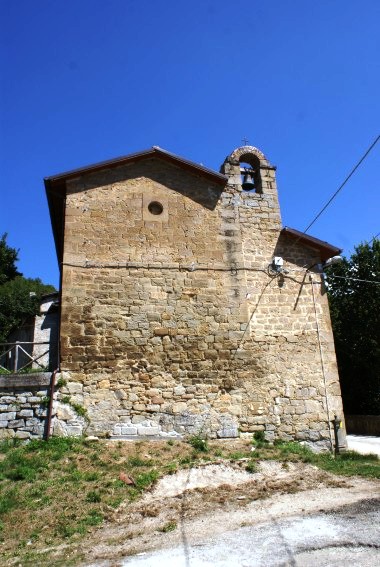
<point x="297" y="516"/>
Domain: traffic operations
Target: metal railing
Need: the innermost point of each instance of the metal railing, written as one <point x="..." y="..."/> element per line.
<point x="12" y="359"/>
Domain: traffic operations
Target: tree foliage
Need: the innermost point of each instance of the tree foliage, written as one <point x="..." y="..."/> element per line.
<point x="8" y="259"/>
<point x="354" y="296"/>
<point x="19" y="297"/>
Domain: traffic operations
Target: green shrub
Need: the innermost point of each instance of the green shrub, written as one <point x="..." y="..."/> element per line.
<point x="199" y="443"/>
<point x="259" y="439"/>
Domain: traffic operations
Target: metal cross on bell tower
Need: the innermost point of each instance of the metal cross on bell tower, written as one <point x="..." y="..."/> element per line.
<point x="245" y="141"/>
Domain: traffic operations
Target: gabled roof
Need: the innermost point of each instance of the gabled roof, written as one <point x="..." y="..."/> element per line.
<point x="56" y="184"/>
<point x="325" y="249"/>
<point x="155" y="151"/>
<point x="56" y="192"/>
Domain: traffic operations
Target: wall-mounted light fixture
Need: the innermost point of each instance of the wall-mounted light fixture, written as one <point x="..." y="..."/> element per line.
<point x="331" y="261"/>
<point x="277" y="264"/>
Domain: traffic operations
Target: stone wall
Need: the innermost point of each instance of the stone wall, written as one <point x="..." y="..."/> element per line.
<point x="175" y="322"/>
<point x="23" y="406"/>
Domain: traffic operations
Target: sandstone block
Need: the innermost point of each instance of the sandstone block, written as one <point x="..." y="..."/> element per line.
<point x="16" y="423"/>
<point x="226" y="432"/>
<point x="74" y="387"/>
<point x="104" y="384"/>
<point x="179" y="407"/>
<point x="74" y="430"/>
<point x="148" y="431"/>
<point x="22" y="434"/>
<point x="25" y="413"/>
<point x="8" y="416"/>
<point x="128" y="430"/>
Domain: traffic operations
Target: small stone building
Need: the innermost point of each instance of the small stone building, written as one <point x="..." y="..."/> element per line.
<point x="37" y="340"/>
<point x="186" y="307"/>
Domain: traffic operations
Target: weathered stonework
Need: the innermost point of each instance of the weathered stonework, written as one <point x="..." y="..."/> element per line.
<point x="175" y="322"/>
<point x="23" y="409"/>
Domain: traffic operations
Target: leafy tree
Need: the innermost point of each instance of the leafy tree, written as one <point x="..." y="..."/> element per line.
<point x="354" y="295"/>
<point x="19" y="297"/>
<point x="8" y="259"/>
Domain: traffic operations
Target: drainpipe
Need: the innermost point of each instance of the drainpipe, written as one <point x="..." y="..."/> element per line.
<point x="322" y="363"/>
<point x="50" y="407"/>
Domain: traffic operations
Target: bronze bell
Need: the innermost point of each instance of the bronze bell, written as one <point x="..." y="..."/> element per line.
<point x="248" y="183"/>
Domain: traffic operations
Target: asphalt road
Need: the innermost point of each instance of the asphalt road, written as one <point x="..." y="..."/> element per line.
<point x="364" y="444"/>
<point x="348" y="535"/>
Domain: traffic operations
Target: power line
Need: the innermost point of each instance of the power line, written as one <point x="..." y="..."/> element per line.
<point x="374" y="238"/>
<point x="343" y="184"/>
<point x="353" y="279"/>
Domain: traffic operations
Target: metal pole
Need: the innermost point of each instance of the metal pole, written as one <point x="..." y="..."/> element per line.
<point x="15" y="362"/>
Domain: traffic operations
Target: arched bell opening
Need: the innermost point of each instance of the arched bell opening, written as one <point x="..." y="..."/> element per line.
<point x="250" y="173"/>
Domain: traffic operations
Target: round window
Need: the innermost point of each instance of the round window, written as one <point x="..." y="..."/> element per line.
<point x="155" y="208"/>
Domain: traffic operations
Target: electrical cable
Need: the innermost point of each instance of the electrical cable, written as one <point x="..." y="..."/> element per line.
<point x="353" y="279"/>
<point x="343" y="184"/>
<point x="374" y="238"/>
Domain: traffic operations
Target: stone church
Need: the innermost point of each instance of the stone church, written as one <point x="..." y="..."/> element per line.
<point x="186" y="307"/>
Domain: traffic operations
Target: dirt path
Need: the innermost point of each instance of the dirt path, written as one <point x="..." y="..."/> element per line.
<point x="197" y="505"/>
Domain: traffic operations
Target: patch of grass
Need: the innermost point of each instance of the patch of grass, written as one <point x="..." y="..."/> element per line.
<point x="171" y="468"/>
<point x="9" y="500"/>
<point x="90" y="476"/>
<point x="61" y="382"/>
<point x="9" y="444"/>
<point x="137" y="461"/>
<point x="187" y="460"/>
<point x="169" y="527"/>
<point x="45" y="401"/>
<point x="145" y="480"/>
<point x="237" y="456"/>
<point x="353" y="456"/>
<point x="93" y="496"/>
<point x="80" y="410"/>
<point x="93" y="518"/>
<point x="293" y="451"/>
<point x="349" y="464"/>
<point x="199" y="443"/>
<point x="58" y="491"/>
<point x="115" y="502"/>
<point x="251" y="467"/>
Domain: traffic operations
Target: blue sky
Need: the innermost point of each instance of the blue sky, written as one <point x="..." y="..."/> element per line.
<point x="87" y="80"/>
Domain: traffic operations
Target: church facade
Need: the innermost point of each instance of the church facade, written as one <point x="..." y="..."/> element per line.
<point x="186" y="307"/>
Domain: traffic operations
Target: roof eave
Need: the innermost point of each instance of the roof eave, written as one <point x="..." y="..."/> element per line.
<point x="326" y="249"/>
<point x="155" y="151"/>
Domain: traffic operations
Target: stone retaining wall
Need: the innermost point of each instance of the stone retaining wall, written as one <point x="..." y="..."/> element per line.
<point x="23" y="405"/>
